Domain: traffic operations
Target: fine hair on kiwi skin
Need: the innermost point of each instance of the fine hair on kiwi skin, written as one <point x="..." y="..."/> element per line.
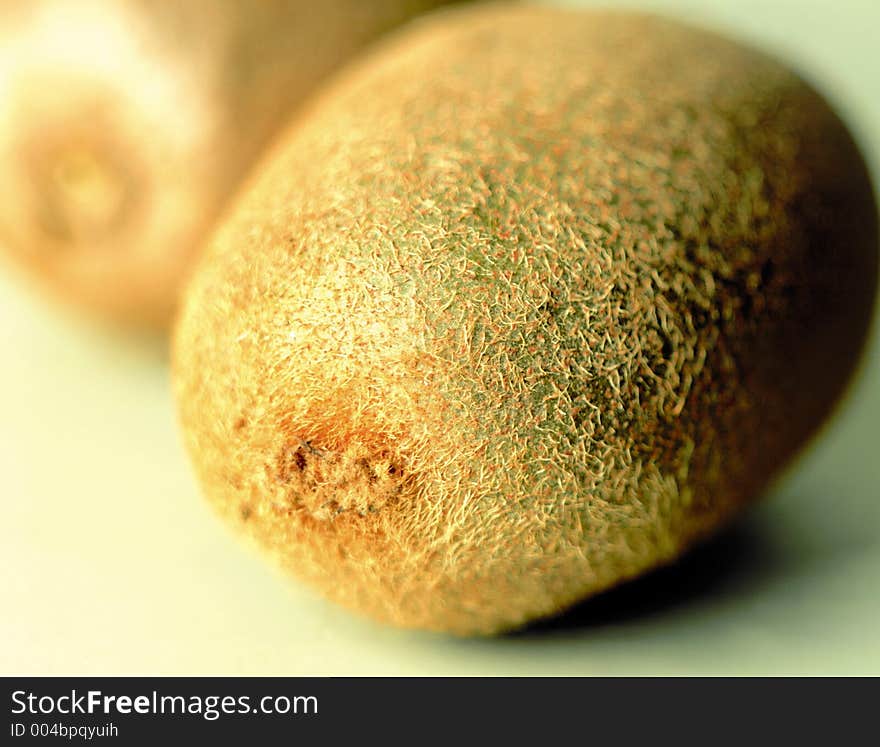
<point x="527" y="303"/>
<point x="126" y="126"/>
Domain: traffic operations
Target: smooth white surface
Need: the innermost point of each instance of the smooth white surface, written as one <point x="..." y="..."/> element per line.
<point x="111" y="563"/>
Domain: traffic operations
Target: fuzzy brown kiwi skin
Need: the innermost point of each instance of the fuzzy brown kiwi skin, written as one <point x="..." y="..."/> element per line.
<point x="512" y="316"/>
<point x="126" y="126"/>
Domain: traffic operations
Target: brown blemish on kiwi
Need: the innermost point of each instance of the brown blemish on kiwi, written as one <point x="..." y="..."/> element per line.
<point x="326" y="483"/>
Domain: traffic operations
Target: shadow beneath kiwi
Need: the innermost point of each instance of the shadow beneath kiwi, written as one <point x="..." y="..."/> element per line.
<point x="741" y="556"/>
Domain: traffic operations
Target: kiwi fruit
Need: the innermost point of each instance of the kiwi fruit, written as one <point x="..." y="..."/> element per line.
<point x="126" y="125"/>
<point x="527" y="302"/>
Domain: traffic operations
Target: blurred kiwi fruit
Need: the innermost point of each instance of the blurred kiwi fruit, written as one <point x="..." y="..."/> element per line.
<point x="126" y="125"/>
<point x="526" y="304"/>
